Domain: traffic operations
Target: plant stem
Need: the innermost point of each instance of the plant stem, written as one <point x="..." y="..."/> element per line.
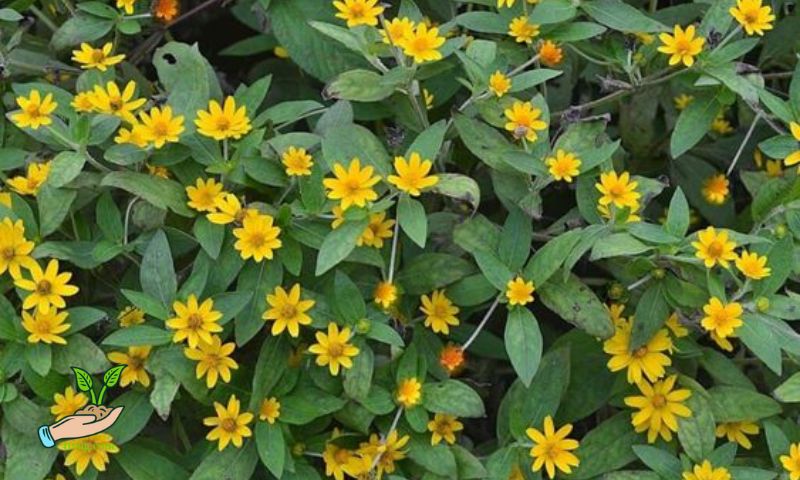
<point x="128" y="219"/>
<point x="43" y="18"/>
<point x="384" y="437"/>
<point x="102" y="395"/>
<point x="640" y="282"/>
<point x="744" y="143"/>
<point x="393" y="257"/>
<point x="485" y="319"/>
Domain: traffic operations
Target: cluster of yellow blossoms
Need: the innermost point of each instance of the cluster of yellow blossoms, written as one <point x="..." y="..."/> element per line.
<point x="618" y="191"/>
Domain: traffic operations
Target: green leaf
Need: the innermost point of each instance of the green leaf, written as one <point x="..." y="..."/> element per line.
<point x="574" y="302"/>
<point x="496" y="272"/>
<point x="138" y="335"/>
<point x="269" y="368"/>
<point x="228" y="464"/>
<point x="307" y="403"/>
<point x="82" y="379"/>
<point x="188" y="78"/>
<point x="553" y="11"/>
<point x="338" y="244"/>
<point x="80" y="28"/>
<point x="157" y="274"/>
<point x="64" y="168"/>
<point x="651" y="313"/>
<point x="617" y="245"/>
<point x="661" y="462"/>
<point x="523" y="343"/>
<point x="137" y="413"/>
<point x="160" y="192"/>
<point x="528" y="406"/>
<point x="460" y="187"/>
<point x="209" y="235"/>
<point x="607" y="448"/>
<point x="412" y="218"/>
<point x="358" y="380"/>
<point x="736" y="404"/>
<point x="620" y="16"/>
<point x="762" y="341"/>
<point x="678" y="218"/>
<point x="39" y="357"/>
<point x="346" y="298"/>
<point x="271" y="447"/>
<point x="780" y="259"/>
<point x="694" y="122"/>
<point x="140" y="462"/>
<point x="111" y="377"/>
<point x="54" y="206"/>
<point x="438" y="459"/>
<point x="532" y="78"/>
<point x="453" y="398"/>
<point x="484" y="22"/>
<point x="789" y="390"/>
<point x="515" y="241"/>
<point x="696" y="433"/>
<point x="429" y="271"/>
<point x="360" y="86"/>
<point x="108" y="218"/>
<point x="428" y="143"/>
<point x="343" y="143"/>
<point x="548" y="259"/>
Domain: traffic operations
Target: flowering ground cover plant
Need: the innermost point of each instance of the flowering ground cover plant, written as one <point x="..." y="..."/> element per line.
<point x="422" y="239"/>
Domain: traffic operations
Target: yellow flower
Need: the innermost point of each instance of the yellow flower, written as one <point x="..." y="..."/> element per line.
<point x="794" y="157"/>
<point x="444" y="426"/>
<point x="166" y="10"/>
<point x="519" y="291"/>
<point x="451" y="358"/>
<point x="682" y="46"/>
<point x="358" y="12"/>
<point x="682" y="101"/>
<point x="440" y="313"/>
<point x="157" y="170"/>
<point x="194" y="322"/>
<point x="225" y="121"/>
<point x="552" y="448"/>
<point x="714" y="248"/>
<point x="29" y="185"/>
<point x="270" y="410"/>
<point x="287" y="310"/>
<point x="130" y="316"/>
<point x="35" y="111"/>
<point x="738" y="431"/>
<point x="333" y="349"/>
<point x="564" y="166"/>
<point x="5" y="198"/>
<point x="340" y="461"/>
<point x="715" y="189"/>
<point x="230" y="426"/>
<point x="127" y="5"/>
<point x="412" y="175"/>
<point x="550" y="54"/>
<point x="135" y="135"/>
<point x="397" y="30"/>
<point x="94" y="449"/>
<point x="134" y="371"/>
<point x="48" y="287"/>
<point x="523" y="121"/>
<point x="68" y="403"/>
<point x="45" y="327"/>
<point x="659" y="406"/>
<point x="522" y="30"/>
<point x="99" y="58"/>
<point x="791" y="462"/>
<point x="773" y="168"/>
<point x="377" y="230"/>
<point x="707" y="472"/>
<point x="409" y="392"/>
<point x="280" y="52"/>
<point x="675" y="326"/>
<point x="429" y="97"/>
<point x="112" y="101"/>
<point x="391" y="449"/>
<point x="228" y="209"/>
<point x="516" y="473"/>
<point x="297" y="161"/>
<point x="352" y="186"/>
<point x="82" y="102"/>
<point x="499" y="84"/>
<point x="618" y="190"/>
<point x="754" y="17"/>
<point x="203" y="195"/>
<point x="722" y="318"/>
<point x="213" y="360"/>
<point x="160" y="126"/>
<point x="385" y="294"/>
<point x="723" y="343"/>
<point x="649" y="359"/>
<point x="338" y="217"/>
<point x="15" y="249"/>
<point x="721" y="126"/>
<point x="423" y="43"/>
<point x="257" y="237"/>
<point x="752" y="265"/>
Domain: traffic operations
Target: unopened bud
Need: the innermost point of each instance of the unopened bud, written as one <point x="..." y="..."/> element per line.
<point x="363" y="326"/>
<point x="762" y="304"/>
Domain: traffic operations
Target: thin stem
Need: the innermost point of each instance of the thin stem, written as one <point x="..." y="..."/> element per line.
<point x="128" y="219"/>
<point x="485" y="319"/>
<point x="138" y="16"/>
<point x="95" y="163"/>
<point x="384" y="437"/>
<point x="525" y="65"/>
<point x="287" y="190"/>
<point x="744" y="143"/>
<point x="225" y="149"/>
<point x="44" y="18"/>
<point x="393" y="257"/>
<point x="728" y="37"/>
<point x="588" y="57"/>
<point x="102" y="394"/>
<point x="415" y="101"/>
<point x="640" y="282"/>
<point x="301" y="117"/>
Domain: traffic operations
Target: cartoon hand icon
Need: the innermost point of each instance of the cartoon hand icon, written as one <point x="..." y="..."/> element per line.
<point x="76" y="426"/>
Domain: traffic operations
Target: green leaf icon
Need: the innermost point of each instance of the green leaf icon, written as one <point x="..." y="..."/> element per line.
<point x="111" y="377"/>
<point x="83" y="379"/>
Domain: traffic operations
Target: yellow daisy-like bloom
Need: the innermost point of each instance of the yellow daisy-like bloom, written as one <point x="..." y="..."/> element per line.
<point x="714" y="248"/>
<point x="753" y="265"/>
<point x="213" y="360"/>
<point x="35" y="110"/>
<point x="773" y="168"/>
<point x="519" y="291"/>
<point x="332" y="349"/>
<point x="127" y="5"/>
<point x="409" y="392"/>
<point x="358" y="12"/>
<point x="738" y="432"/>
<point x="194" y="322"/>
<point x="166" y="10"/>
<point x="203" y="195"/>
<point x="550" y="54"/>
<point x="297" y="162"/>
<point x="564" y="166"/>
<point x="675" y="326"/>
<point x="130" y="316"/>
<point x="135" y="135"/>
<point x="340" y="461"/>
<point x="522" y="30"/>
<point x="752" y="16"/>
<point x="29" y="184"/>
<point x="159" y="171"/>
<point x="352" y="186"/>
<point x="499" y="84"/>
<point x="618" y="190"/>
<point x="523" y="121"/>
<point x="682" y="46"/>
<point x="134" y="359"/>
<point x="682" y="101"/>
<point x="230" y="425"/>
<point x="440" y="313"/>
<point x="99" y="58"/>
<point x="228" y="209"/>
<point x="82" y="102"/>
<point x="648" y="360"/>
<point x="270" y="410"/>
<point x="423" y="44"/>
<point x="377" y="230"/>
<point x="721" y="126"/>
<point x="791" y="462"/>
<point x="552" y="448"/>
<point x="715" y="189"/>
<point x="338" y="217"/>
<point x="48" y="287"/>
<point x="429" y="97"/>
<point x="160" y="126"/>
<point x="397" y="30"/>
<point x="287" y="310"/>
<point x="225" y="121"/>
<point x="412" y="175"/>
<point x="68" y="403"/>
<point x="707" y="472"/>
<point x="444" y="427"/>
<point x="451" y="358"/>
<point x="45" y="327"/>
<point x="794" y="157"/>
<point x="112" y="101"/>
<point x="257" y="237"/>
<point x="722" y="318"/>
<point x="93" y="449"/>
<point x="659" y="406"/>
<point x="385" y="294"/>
<point x="15" y="249"/>
<point x="391" y="448"/>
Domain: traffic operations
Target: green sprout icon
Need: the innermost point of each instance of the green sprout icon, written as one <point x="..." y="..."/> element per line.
<point x="85" y="384"/>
